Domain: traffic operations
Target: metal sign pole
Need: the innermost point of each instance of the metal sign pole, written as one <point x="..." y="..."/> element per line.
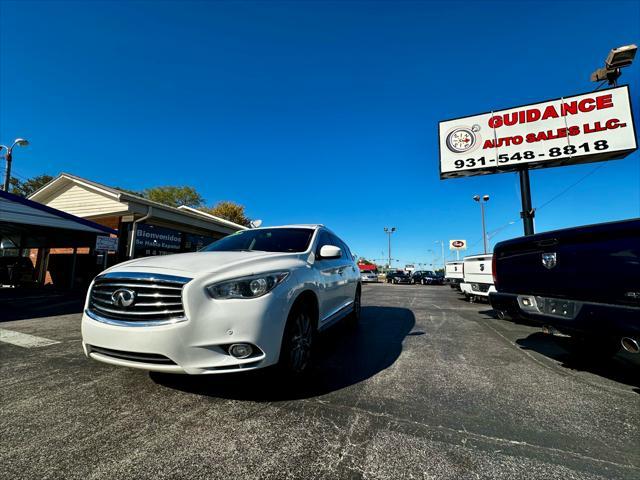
<point x="527" y="212"/>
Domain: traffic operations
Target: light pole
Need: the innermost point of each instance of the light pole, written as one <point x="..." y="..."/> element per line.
<point x="389" y="231"/>
<point x="441" y="242"/>
<point x="482" y="201"/>
<point x="21" y="142"/>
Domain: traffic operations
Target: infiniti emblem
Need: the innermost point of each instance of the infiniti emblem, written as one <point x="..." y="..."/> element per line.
<point x="549" y="260"/>
<point x="123" y="297"/>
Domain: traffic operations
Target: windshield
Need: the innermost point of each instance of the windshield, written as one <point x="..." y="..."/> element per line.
<point x="265" y="240"/>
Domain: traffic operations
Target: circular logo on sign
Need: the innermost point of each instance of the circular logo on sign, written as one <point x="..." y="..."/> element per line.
<point x="457" y="243"/>
<point x="463" y="139"/>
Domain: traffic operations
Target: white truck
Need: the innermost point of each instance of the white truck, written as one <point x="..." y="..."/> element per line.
<point x="477" y="279"/>
<point x="453" y="274"/>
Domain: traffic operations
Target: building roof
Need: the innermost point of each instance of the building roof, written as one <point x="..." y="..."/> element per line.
<point x="367" y="268"/>
<point x="63" y="179"/>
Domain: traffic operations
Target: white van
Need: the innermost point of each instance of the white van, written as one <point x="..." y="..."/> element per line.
<point x="453" y="274"/>
<point x="477" y="279"/>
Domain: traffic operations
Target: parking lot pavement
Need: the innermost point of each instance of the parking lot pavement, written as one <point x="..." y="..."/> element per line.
<point x="427" y="386"/>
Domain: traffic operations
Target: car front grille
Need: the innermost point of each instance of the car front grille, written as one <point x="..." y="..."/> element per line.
<point x="137" y="298"/>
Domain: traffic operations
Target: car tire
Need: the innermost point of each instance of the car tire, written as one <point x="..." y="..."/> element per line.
<point x="354" y="316"/>
<point x="297" y="341"/>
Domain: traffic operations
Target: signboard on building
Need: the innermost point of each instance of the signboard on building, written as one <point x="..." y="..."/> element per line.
<point x="153" y="240"/>
<point x="106" y="244"/>
<point x="457" y="244"/>
<point x="584" y="128"/>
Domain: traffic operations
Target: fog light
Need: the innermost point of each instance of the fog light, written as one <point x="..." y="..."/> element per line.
<point x="240" y="350"/>
<point x="526" y="302"/>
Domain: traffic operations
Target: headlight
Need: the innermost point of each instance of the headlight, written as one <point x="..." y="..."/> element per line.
<point x="246" y="287"/>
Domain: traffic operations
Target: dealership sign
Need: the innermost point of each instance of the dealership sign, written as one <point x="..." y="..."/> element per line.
<point x="457" y="244"/>
<point x="106" y="244"/>
<point x="585" y="128"/>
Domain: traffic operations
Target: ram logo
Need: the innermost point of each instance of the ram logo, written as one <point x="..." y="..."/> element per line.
<point x="549" y="260"/>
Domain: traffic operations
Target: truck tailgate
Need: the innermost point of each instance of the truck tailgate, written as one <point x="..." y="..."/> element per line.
<point x="595" y="263"/>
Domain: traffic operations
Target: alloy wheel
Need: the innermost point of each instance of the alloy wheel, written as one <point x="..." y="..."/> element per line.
<point x="300" y="343"/>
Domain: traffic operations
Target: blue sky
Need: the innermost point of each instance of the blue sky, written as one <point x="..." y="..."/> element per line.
<point x="310" y="111"/>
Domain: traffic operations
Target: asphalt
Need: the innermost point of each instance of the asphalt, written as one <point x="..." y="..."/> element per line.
<point x="427" y="386"/>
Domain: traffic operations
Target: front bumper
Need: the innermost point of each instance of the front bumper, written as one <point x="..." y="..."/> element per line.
<point x="197" y="345"/>
<point x="582" y="317"/>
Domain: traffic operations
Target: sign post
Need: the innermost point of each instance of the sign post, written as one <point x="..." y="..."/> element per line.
<point x="590" y="127"/>
<point x="527" y="212"/>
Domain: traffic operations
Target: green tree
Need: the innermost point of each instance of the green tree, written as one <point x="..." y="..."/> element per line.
<point x="229" y="211"/>
<point x="27" y="187"/>
<point x="174" y="196"/>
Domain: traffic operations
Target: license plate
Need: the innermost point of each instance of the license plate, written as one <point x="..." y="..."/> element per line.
<point x="557" y="307"/>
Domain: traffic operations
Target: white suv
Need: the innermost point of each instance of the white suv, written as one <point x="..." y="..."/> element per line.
<point x="252" y="299"/>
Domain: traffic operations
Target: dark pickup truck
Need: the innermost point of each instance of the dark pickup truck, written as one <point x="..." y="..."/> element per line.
<point x="583" y="281"/>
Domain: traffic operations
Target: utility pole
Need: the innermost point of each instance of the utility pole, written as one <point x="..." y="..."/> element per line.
<point x="21" y="142"/>
<point x="441" y="242"/>
<point x="482" y="200"/>
<point x="389" y="231"/>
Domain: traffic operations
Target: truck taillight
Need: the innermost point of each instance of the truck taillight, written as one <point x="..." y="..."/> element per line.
<point x="494" y="270"/>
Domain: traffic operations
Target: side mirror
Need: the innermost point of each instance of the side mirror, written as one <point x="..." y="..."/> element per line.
<point x="330" y="251"/>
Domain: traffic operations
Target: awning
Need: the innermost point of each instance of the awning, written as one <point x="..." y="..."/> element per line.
<point x="30" y="224"/>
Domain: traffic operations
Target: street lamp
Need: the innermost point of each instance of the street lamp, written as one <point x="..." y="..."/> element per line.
<point x="482" y="200"/>
<point x="441" y="242"/>
<point x="389" y="231"/>
<point x="21" y="142"/>
<point x="618" y="58"/>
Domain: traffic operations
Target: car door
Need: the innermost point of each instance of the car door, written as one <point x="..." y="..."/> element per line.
<point x="329" y="283"/>
<point x="348" y="273"/>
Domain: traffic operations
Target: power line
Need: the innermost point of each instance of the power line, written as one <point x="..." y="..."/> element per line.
<point x="580" y="180"/>
<point x="552" y="199"/>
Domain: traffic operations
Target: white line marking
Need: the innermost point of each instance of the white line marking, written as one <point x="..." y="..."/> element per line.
<point x="24" y="339"/>
<point x="436" y="306"/>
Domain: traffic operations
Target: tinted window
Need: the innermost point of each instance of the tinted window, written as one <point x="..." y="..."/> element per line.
<point x="323" y="239"/>
<point x="343" y="246"/>
<point x="264" y="239"/>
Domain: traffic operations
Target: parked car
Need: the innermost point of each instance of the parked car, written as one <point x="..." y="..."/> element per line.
<point x="398" y="277"/>
<point x="582" y="281"/>
<point x="250" y="300"/>
<point x="454" y="274"/>
<point x="426" y="277"/>
<point x="477" y="281"/>
<point x="368" y="277"/>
